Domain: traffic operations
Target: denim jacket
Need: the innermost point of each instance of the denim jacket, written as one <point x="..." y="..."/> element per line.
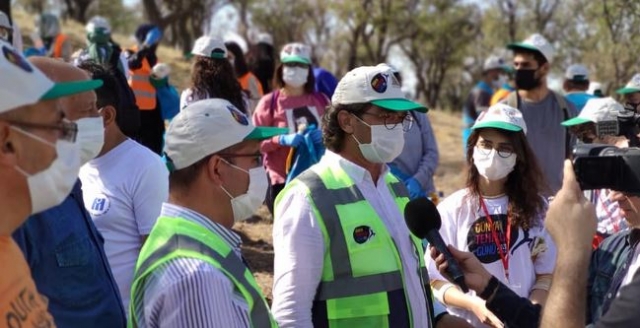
<point x="66" y="255"/>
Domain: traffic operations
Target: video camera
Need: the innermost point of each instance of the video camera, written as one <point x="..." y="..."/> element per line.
<point x="607" y="167"/>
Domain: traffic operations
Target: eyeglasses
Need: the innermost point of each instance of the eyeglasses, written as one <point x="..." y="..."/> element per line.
<point x="256" y="156"/>
<point x="68" y="130"/>
<point x="503" y="150"/>
<point x="301" y="65"/>
<point x="391" y="120"/>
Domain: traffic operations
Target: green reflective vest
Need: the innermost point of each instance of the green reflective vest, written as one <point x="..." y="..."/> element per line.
<point x="362" y="264"/>
<point x="173" y="238"/>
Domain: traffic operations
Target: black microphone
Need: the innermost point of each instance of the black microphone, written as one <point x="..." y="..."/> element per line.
<point x="423" y="219"/>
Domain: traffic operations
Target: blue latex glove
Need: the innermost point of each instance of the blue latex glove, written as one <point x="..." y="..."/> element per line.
<point x="415" y="190"/>
<point x="316" y="136"/>
<point x="153" y="37"/>
<point x="291" y="140"/>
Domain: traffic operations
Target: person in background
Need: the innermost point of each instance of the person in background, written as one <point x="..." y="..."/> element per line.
<point x="49" y="39"/>
<point x="212" y="75"/>
<point x="262" y="60"/>
<point x="293" y="105"/>
<point x="39" y="160"/>
<point x="191" y="272"/>
<point x="506" y="88"/>
<point x="343" y="254"/>
<point x="249" y="82"/>
<point x="325" y="81"/>
<point x="499" y="217"/>
<point x="600" y="113"/>
<point x="631" y="93"/>
<point x="480" y="96"/>
<point x="141" y="59"/>
<point x="542" y="108"/>
<point x="124" y="207"/>
<point x="576" y="84"/>
<point x="596" y="89"/>
<point x="416" y="168"/>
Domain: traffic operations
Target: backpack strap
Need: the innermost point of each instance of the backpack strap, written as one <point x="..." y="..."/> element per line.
<point x="562" y="102"/>
<point x="272" y="105"/>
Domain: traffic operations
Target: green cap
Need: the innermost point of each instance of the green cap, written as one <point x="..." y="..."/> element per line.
<point x="400" y="105"/>
<point x="265" y="132"/>
<point x="63" y="89"/>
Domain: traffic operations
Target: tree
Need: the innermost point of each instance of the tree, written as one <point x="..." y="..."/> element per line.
<point x="77" y="9"/>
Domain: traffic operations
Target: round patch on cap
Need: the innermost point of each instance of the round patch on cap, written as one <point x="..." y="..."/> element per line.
<point x="379" y="83"/>
<point x="362" y="233"/>
<point x="238" y="116"/>
<point x="16" y="59"/>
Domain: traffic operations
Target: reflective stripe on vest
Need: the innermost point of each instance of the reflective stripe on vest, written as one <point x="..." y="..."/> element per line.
<point x="181" y="245"/>
<point x="346" y="287"/>
<point x="142" y="88"/>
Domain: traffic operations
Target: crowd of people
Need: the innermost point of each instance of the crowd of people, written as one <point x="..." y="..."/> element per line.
<point x="121" y="192"/>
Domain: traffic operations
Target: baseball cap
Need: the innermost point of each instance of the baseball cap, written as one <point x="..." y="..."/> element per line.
<point x="22" y="84"/>
<point x="501" y="116"/>
<point x="594" y="88"/>
<point x="597" y="110"/>
<point x="207" y="46"/>
<point x="376" y="85"/>
<point x="161" y="70"/>
<point x="4" y="21"/>
<point x="493" y="62"/>
<point x="632" y="86"/>
<point x="535" y="42"/>
<point x="208" y="126"/>
<point x="296" y="53"/>
<point x="577" y="72"/>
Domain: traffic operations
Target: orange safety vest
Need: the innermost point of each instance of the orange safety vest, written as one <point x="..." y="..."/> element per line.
<point x="58" y="44"/>
<point x="141" y="86"/>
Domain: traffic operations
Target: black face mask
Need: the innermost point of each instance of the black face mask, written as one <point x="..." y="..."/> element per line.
<point x="526" y="79"/>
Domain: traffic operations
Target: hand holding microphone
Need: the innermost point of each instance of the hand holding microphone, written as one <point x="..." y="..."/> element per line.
<point x="424" y="221"/>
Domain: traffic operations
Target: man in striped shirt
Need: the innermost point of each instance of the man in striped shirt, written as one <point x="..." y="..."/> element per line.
<point x="190" y="272"/>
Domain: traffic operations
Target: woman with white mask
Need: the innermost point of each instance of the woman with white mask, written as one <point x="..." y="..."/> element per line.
<point x="498" y="216"/>
<point x="295" y="105"/>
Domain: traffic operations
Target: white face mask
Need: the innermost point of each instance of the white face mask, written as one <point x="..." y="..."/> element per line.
<point x="245" y="205"/>
<point x="90" y="137"/>
<point x="386" y="144"/>
<point x="500" y="81"/>
<point x="295" y="76"/>
<point x="492" y="166"/>
<point x="49" y="187"/>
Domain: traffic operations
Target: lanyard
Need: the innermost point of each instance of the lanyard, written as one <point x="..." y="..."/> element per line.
<point x="504" y="256"/>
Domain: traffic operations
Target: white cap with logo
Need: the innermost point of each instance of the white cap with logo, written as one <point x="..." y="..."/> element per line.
<point x="597" y="110"/>
<point x="535" y="42"/>
<point x="206" y="127"/>
<point x="501" y="116"/>
<point x="296" y="53"/>
<point x="494" y="62"/>
<point x="23" y="84"/>
<point x="207" y="46"/>
<point x="376" y="85"/>
<point x="632" y="86"/>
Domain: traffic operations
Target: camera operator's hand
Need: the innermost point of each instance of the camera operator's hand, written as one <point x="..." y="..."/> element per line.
<point x="571" y="219"/>
<point x="620" y="142"/>
<point x="475" y="275"/>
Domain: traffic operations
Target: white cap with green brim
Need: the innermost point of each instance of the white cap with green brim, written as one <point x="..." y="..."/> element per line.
<point x="211" y="47"/>
<point x="577" y="72"/>
<point x="501" y="116"/>
<point x="535" y="42"/>
<point x="206" y="127"/>
<point x="296" y="53"/>
<point x="632" y="86"/>
<point x="376" y="85"/>
<point x="23" y="84"/>
<point x="597" y="110"/>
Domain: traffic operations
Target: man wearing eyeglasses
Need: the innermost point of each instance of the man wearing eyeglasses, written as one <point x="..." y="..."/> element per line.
<point x="39" y="162"/>
<point x="343" y="254"/>
<point x="64" y="250"/>
<point x="190" y="272"/>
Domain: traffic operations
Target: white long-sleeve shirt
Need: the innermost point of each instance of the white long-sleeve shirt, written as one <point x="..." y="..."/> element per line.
<point x="298" y="241"/>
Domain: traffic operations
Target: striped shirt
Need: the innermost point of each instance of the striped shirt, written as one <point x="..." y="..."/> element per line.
<point x="187" y="292"/>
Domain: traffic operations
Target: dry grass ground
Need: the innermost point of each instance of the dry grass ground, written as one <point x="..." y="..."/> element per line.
<point x="256" y="233"/>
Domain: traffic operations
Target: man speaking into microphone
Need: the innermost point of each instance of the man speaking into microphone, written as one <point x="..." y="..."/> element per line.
<point x="343" y="254"/>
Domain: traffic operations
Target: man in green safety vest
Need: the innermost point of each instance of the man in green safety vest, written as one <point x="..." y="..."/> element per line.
<point x="190" y="272"/>
<point x="343" y="254"/>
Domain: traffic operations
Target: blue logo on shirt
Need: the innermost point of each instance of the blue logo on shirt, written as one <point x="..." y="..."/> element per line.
<point x="100" y="205"/>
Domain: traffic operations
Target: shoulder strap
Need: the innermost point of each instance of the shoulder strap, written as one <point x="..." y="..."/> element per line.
<point x="272" y="105"/>
<point x="513" y="99"/>
<point x="562" y="102"/>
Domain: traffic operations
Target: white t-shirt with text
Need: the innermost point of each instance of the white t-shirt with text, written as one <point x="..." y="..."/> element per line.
<point x="123" y="192"/>
<point x="465" y="226"/>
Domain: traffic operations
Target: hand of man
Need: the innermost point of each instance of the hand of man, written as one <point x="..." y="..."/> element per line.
<point x="475" y="275"/>
<point x="571" y="218"/>
<point x="485" y="315"/>
<point x="414" y="187"/>
<point x="291" y="140"/>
